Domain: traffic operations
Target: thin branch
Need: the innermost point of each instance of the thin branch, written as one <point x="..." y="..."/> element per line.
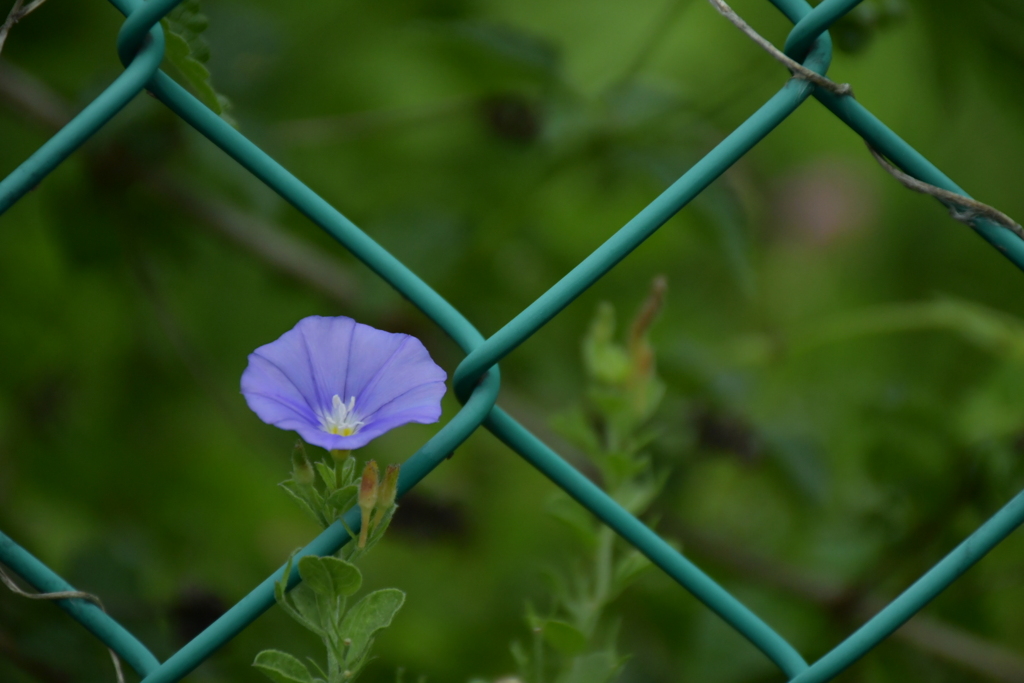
<point x="961" y="208"/>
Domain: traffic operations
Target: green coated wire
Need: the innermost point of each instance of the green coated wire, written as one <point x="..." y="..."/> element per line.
<point x="476" y="379"/>
<point x="72" y="136"/>
<point x="98" y="622"/>
<point x="232" y="142"/>
<point x="619" y="245"/>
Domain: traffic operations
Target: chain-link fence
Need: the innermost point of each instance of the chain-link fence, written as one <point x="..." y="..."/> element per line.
<point x="476" y="381"/>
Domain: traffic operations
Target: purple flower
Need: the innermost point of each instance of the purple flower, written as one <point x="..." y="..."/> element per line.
<point x="340" y="384"/>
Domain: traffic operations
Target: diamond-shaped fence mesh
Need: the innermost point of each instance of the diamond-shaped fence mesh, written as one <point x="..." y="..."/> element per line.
<point x="476" y="381"/>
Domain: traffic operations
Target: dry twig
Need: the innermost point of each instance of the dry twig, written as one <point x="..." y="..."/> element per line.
<point x="798" y="69"/>
<point x="64" y="595"/>
<point x="961" y="208"/>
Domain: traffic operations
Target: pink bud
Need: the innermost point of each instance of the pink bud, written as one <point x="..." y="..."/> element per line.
<point x="368" y="491"/>
<point x="389" y="489"/>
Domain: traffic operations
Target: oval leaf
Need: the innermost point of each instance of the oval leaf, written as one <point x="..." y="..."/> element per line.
<point x="329" y="576"/>
<point x="564" y="637"/>
<point x="374" y="612"/>
<point x="282" y="667"/>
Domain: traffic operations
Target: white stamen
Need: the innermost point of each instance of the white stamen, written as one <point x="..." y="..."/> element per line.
<point x="342" y="419"/>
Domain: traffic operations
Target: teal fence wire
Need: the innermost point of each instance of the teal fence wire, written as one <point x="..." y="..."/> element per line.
<point x="476" y="381"/>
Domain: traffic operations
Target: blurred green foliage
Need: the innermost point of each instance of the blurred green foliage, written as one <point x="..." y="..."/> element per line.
<point x="841" y="360"/>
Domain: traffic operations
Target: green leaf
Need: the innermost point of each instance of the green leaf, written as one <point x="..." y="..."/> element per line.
<point x="628" y="569"/>
<point x="521" y="657"/>
<point x="564" y="637"/>
<point x="303" y="600"/>
<point x="574" y="426"/>
<point x="575" y="516"/>
<point x="605" y="361"/>
<point x="348" y="470"/>
<point x="282" y="667"/>
<point x="368" y="616"/>
<point x="330" y="577"/>
<point x="328" y="475"/>
<point x="596" y="667"/>
<point x="299" y="603"/>
<point x="636" y="496"/>
<point x="188" y="52"/>
<point x="298" y="494"/>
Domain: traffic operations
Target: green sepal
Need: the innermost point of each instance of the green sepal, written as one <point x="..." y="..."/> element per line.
<point x="282" y="667"/>
<point x="328" y="476"/>
<point x="308" y="498"/>
<point x="348" y="470"/>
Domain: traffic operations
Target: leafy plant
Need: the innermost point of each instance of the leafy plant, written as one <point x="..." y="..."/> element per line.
<point x="575" y="641"/>
<point x="320" y="602"/>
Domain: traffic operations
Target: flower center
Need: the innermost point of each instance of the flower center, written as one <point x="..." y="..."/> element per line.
<point x="341" y="419"/>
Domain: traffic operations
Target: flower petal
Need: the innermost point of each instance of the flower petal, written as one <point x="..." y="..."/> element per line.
<point x="408" y="367"/>
<point x="291" y="382"/>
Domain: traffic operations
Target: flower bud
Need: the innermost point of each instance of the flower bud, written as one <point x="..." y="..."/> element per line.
<point x="389" y="489"/>
<point x="302" y="469"/>
<point x="368" y="493"/>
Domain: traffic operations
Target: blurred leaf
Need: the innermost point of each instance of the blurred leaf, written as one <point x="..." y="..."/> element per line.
<point x="995" y="407"/>
<point x="573" y="515"/>
<point x="605" y="360"/>
<point x="636" y="495"/>
<point x="596" y="667"/>
<point x="564" y="637"/>
<point x="628" y="568"/>
<point x="572" y="424"/>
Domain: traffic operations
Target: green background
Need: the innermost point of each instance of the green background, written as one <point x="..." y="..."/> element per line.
<point x="843" y="360"/>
